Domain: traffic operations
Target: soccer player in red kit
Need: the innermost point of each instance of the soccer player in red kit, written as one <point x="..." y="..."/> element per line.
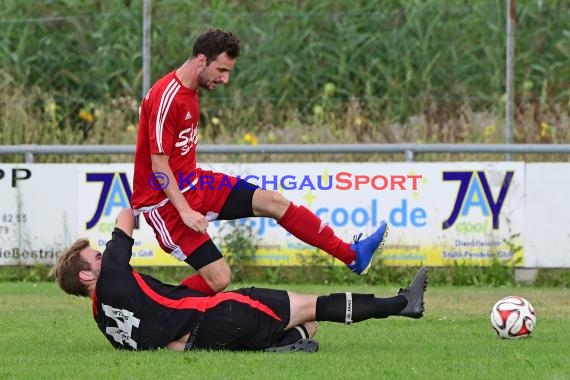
<point x="178" y="199"/>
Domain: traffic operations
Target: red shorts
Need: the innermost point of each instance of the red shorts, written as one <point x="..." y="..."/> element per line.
<point x="208" y="196"/>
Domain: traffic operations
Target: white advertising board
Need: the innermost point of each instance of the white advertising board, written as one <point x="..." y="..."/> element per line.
<point x="38" y="212"/>
<point x="439" y="213"/>
<point x="547" y="230"/>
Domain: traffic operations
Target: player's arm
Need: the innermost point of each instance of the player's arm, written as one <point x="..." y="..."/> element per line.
<point x="126" y="221"/>
<point x="191" y="218"/>
<point x="119" y="249"/>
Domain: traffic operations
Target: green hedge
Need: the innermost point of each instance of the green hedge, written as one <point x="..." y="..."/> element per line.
<point x="333" y="275"/>
<point x="320" y="61"/>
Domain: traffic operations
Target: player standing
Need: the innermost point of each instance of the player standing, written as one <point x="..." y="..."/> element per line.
<point x="178" y="199"/>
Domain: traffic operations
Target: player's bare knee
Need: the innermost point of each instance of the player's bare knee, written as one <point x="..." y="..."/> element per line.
<point x="220" y="280"/>
<point x="218" y="284"/>
<point x="219" y="287"/>
<point x="269" y="203"/>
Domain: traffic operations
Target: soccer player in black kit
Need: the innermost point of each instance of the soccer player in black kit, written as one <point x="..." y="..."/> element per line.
<point x="136" y="311"/>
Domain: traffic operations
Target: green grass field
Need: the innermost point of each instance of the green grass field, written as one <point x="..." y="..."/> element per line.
<point x="47" y="334"/>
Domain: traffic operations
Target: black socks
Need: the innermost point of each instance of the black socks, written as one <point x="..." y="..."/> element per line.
<point x="349" y="307"/>
<point x="293" y="335"/>
<point x="390" y="306"/>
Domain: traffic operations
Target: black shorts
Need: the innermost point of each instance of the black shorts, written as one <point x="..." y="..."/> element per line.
<point x="237" y="326"/>
<point x="239" y="204"/>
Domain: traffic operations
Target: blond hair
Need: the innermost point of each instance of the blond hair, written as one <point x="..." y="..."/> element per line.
<point x="68" y="266"/>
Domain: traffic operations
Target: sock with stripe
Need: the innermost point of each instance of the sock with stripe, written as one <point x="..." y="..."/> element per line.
<point x="349" y="307"/>
<point x="293" y="335"/>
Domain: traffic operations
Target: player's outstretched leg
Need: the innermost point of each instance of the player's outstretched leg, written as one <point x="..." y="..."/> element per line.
<point x="309" y="228"/>
<point x="414" y="293"/>
<point x="366" y="248"/>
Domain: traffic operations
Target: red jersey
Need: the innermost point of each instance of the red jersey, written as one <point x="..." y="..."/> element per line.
<point x="168" y="125"/>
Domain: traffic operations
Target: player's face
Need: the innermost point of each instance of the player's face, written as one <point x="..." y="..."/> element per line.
<point x="93" y="257"/>
<point x="217" y="72"/>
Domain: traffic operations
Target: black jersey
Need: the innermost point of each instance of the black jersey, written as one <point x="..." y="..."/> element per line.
<point x="135" y="311"/>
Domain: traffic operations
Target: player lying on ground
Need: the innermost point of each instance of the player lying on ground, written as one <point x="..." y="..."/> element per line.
<point x="136" y="311"/>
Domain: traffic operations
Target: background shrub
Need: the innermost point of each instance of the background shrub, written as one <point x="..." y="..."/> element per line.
<point x="330" y="71"/>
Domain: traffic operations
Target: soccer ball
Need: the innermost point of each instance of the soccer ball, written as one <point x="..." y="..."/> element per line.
<point x="513" y="317"/>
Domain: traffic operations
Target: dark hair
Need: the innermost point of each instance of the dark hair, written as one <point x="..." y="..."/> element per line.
<point x="215" y="42"/>
<point x="67" y="269"/>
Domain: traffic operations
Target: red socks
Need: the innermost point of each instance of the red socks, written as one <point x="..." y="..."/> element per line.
<point x="196" y="282"/>
<point x="307" y="227"/>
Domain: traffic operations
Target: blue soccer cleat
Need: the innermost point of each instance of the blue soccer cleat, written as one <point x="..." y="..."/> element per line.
<point x="366" y="248"/>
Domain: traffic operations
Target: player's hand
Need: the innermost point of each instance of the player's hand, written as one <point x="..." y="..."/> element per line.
<point x="195" y="220"/>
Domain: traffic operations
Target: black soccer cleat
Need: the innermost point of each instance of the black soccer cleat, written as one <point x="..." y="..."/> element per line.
<point x="414" y="294"/>
<point x="303" y="345"/>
